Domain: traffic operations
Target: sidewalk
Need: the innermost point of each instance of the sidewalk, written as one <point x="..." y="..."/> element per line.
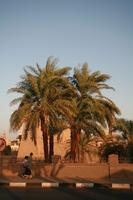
<point x="66" y="182"/>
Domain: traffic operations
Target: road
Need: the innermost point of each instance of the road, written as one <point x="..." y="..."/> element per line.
<point x="64" y="194"/>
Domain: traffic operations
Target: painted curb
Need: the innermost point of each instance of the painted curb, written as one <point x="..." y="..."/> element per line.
<point x="64" y="184"/>
<point x="17" y="184"/>
<point x="47" y="185"/>
<point x="81" y="185"/>
<point x="121" y="186"/>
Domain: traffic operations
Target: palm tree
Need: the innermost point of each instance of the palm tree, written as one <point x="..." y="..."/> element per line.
<point x="46" y="95"/>
<point x="114" y="145"/>
<point x="125" y="127"/>
<point x="109" y="111"/>
<point x="87" y="147"/>
<point x="94" y="111"/>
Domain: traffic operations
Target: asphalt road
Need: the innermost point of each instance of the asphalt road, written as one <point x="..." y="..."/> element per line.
<point x="64" y="194"/>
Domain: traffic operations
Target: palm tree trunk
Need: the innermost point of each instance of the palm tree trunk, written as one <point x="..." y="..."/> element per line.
<point x="45" y="138"/>
<point x="77" y="144"/>
<point x="45" y="145"/>
<point x="51" y="147"/>
<point x="73" y="144"/>
<point x="75" y="139"/>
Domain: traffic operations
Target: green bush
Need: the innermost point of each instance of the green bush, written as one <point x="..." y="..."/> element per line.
<point x="130" y="152"/>
<point x="111" y="148"/>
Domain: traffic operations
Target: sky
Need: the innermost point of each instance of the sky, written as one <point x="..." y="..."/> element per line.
<point x="99" y="32"/>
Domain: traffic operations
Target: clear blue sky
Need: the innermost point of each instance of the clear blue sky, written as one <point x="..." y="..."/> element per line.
<point x="99" y="32"/>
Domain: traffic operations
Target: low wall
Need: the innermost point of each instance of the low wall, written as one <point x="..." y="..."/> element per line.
<point x="9" y="167"/>
<point x="63" y="170"/>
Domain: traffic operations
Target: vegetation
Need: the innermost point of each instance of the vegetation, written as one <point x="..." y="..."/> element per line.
<point x="114" y="145"/>
<point x="52" y="100"/>
<point x="94" y="112"/>
<point x="7" y="151"/>
<point x="45" y="102"/>
<point x="125" y="128"/>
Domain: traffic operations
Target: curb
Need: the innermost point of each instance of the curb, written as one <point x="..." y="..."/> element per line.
<point x="88" y="185"/>
<point x="47" y="184"/>
<point x="74" y="185"/>
<point x="121" y="186"/>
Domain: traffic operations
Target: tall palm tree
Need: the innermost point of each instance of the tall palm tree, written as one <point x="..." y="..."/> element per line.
<point x="94" y="111"/>
<point x="45" y="98"/>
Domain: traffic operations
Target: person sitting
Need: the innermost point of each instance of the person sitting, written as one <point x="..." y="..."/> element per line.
<point x="26" y="171"/>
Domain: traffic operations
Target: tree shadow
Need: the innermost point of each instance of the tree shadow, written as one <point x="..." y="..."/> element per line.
<point x="56" y="167"/>
<point x="123" y="175"/>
